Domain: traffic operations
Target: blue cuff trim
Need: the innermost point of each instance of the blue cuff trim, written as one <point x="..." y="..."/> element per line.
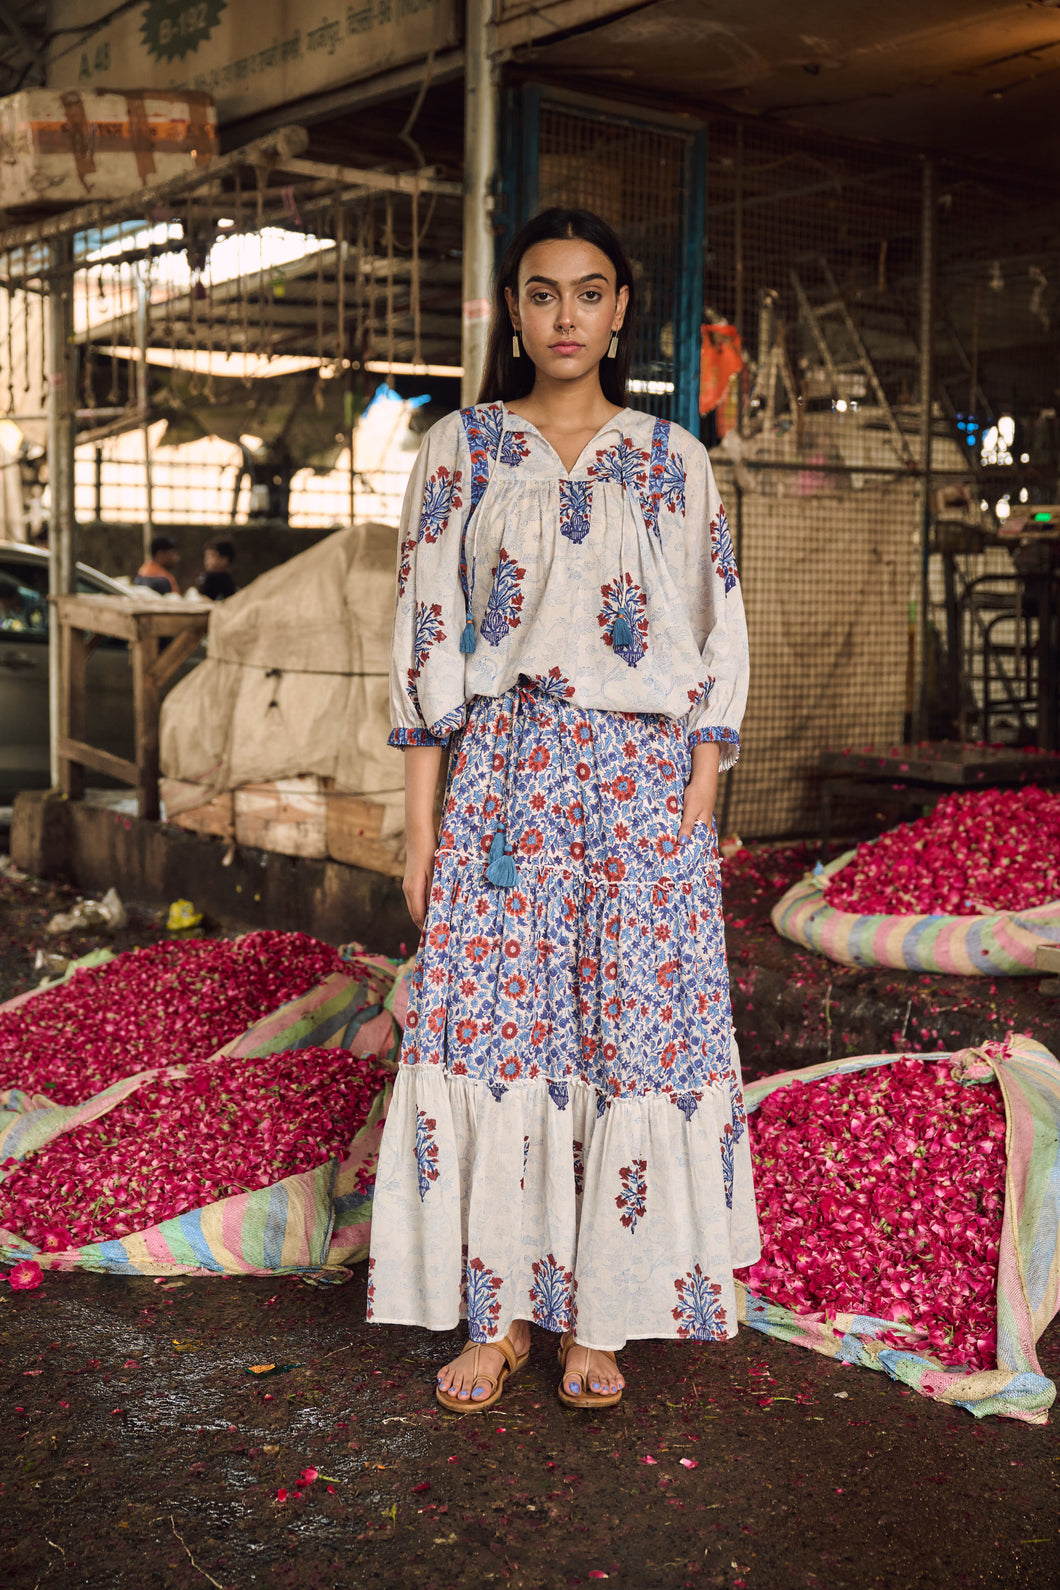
<point x="405" y="737"/>
<point x="707" y="736"/>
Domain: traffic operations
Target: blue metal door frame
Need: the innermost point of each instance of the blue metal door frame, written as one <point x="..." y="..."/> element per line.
<point x="520" y="145"/>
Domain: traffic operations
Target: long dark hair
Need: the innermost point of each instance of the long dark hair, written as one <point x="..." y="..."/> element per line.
<point x="504" y="377"/>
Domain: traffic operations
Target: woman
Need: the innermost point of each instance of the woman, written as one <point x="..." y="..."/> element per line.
<point x="567" y="1140"/>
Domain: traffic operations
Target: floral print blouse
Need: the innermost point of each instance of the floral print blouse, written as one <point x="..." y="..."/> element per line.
<point x="613" y="586"/>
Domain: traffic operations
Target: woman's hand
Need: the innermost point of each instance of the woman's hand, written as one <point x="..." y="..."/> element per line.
<point x="701" y="791"/>
<point x="419" y="873"/>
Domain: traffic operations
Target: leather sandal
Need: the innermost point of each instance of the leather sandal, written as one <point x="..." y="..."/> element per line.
<point x="472" y="1404"/>
<point x="586" y="1398"/>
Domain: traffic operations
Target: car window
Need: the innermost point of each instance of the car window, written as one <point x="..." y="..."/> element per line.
<point x="23" y="605"/>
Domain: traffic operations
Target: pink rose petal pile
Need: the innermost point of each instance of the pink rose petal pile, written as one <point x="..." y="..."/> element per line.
<point x="882" y="1192"/>
<point x="177" y="1144"/>
<point x="168" y="1004"/>
<point x="988" y="850"/>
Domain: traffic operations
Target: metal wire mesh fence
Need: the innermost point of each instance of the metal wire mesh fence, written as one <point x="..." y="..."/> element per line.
<point x="864" y="630"/>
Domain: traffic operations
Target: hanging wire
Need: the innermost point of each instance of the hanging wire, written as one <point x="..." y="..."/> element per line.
<point x="9" y="308"/>
<point x="26" y="323"/>
<point x="414" y="278"/>
<point x="259" y="173"/>
<point x="369" y="338"/>
<point x="340" y="282"/>
<point x="241" y="276"/>
<point x="114" y="392"/>
<point x="390" y="280"/>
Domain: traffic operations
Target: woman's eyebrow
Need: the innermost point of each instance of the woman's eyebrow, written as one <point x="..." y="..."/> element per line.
<point x="546" y="281"/>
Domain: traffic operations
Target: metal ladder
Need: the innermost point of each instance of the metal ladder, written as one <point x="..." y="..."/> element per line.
<point x="835" y="308"/>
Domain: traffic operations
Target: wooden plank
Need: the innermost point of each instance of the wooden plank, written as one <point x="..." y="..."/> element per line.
<point x="286" y="815"/>
<point x="100" y="761"/>
<point x="1047" y="958"/>
<point x="178" y="651"/>
<point x="425" y="181"/>
<point x="103" y="615"/>
<point x="144" y="654"/>
<point x="73" y="660"/>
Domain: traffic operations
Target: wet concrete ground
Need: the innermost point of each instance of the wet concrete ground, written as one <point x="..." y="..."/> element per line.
<point x="139" y="1452"/>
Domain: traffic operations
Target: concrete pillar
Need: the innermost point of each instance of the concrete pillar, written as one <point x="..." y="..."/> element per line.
<point x="480" y="161"/>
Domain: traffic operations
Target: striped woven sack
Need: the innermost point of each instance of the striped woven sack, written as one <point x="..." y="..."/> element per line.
<point x="1028" y="1281"/>
<point x="313" y="1225"/>
<point x="998" y="944"/>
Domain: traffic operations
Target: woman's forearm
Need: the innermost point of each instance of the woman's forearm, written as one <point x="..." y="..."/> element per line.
<point x="422" y="766"/>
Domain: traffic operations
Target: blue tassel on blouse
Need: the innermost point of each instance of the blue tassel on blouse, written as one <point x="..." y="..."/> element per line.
<point x="467" y="639"/>
<point x="621" y="634"/>
<point x="500" y="869"/>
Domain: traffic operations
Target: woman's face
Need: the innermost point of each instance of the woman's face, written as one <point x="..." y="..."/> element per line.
<point x="567" y="306"/>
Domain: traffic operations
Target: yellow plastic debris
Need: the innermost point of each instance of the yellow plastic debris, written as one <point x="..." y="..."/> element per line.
<point x="182" y="914"/>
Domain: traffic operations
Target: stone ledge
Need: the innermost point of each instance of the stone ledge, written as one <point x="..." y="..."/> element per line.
<point x="94" y="847"/>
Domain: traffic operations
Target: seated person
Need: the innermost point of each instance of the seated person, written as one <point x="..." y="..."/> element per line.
<point x="216" y="582"/>
<point x="157" y="573"/>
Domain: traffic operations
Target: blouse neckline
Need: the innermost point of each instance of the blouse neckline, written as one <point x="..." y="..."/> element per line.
<point x="513" y="421"/>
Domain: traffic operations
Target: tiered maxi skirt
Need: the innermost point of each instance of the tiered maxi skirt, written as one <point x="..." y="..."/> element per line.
<point x="567" y="1141"/>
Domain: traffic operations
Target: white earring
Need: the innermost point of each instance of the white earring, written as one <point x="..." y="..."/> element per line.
<point x="516" y="350"/>
<point x="612" y="352"/>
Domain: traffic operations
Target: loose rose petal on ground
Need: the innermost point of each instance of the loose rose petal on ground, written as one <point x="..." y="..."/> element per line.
<point x="307" y="1476"/>
<point x="690" y="1463"/>
<point x="25" y="1276"/>
<point x="281" y="1494"/>
<point x="648" y="1459"/>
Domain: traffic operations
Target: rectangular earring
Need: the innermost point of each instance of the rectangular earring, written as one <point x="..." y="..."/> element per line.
<point x="516" y="350"/>
<point x="612" y="352"/>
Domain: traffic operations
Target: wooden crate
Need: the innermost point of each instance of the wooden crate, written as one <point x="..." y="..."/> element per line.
<point x="214" y="816"/>
<point x="354" y="826"/>
<point x="288" y="815"/>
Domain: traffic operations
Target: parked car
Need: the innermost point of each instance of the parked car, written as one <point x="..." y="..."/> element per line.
<point x="25" y="618"/>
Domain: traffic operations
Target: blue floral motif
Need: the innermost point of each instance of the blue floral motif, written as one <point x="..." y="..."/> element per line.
<point x="481" y="1286"/>
<point x="579" y="1168"/>
<point x="633" y="1199"/>
<point x="722" y="553"/>
<point x="449" y="723"/>
<point x="526" y="1156"/>
<point x="625" y="597"/>
<point x="575" y="509"/>
<point x="728" y="1150"/>
<point x="483" y="428"/>
<point x="551" y="1295"/>
<point x="555" y="684"/>
<point x="440" y="496"/>
<point x="674" y="479"/>
<point x="650" y="499"/>
<point x="559" y="1093"/>
<point x="514" y="449"/>
<point x="687" y="1103"/>
<point x="369" y="1311"/>
<point x="505" y="602"/>
<point x="427" y="633"/>
<point x="426" y="1151"/>
<point x="624" y="463"/>
<point x="405" y="565"/>
<point x="699" y="1315"/>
